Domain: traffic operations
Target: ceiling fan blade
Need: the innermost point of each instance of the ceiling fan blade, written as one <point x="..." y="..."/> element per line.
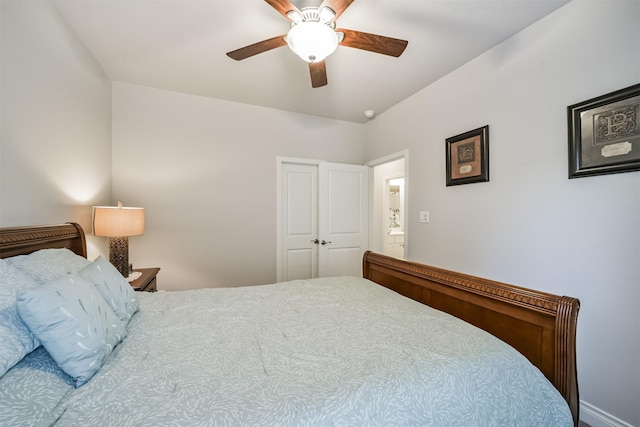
<point x="373" y="42"/>
<point x="283" y="6"/>
<point x="256" y="48"/>
<point x="338" y="6"/>
<point x="318" y="74"/>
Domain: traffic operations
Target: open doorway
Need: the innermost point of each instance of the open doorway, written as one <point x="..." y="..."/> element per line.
<point x="388" y="207"/>
<point x="394" y="201"/>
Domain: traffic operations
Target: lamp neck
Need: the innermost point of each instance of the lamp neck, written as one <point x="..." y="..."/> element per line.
<point x="119" y="254"/>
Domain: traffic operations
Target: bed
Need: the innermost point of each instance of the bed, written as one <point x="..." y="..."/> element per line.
<point x="332" y="351"/>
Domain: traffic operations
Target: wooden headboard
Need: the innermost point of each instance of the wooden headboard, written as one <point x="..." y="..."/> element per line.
<point x="541" y="326"/>
<point x="24" y="240"/>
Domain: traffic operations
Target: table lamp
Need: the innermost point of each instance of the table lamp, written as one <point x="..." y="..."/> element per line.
<point x="118" y="223"/>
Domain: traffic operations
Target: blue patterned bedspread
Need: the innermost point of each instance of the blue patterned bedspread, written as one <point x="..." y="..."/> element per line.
<point x="327" y="352"/>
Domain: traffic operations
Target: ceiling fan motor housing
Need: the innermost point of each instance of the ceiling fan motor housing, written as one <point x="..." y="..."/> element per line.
<point x="312" y="14"/>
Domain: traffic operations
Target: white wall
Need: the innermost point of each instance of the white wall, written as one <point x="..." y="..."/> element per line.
<point x="192" y="162"/>
<point x="55" y="147"/>
<point x="531" y="225"/>
<point x="205" y="171"/>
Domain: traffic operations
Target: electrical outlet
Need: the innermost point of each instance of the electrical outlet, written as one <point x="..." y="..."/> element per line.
<point x="424" y="216"/>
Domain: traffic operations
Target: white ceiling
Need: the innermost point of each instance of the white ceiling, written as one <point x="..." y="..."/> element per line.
<point x="180" y="45"/>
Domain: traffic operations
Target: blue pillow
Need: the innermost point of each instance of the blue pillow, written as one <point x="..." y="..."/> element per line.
<point x="16" y="340"/>
<point x="114" y="288"/>
<point x="46" y="265"/>
<point x="74" y="324"/>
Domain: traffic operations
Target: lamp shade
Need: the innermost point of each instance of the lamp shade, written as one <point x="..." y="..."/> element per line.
<point x="118" y="221"/>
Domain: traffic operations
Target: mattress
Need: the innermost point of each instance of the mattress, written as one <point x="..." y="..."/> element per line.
<point x="334" y="351"/>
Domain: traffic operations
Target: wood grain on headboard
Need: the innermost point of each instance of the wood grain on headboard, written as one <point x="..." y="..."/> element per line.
<point x="24" y="240"/>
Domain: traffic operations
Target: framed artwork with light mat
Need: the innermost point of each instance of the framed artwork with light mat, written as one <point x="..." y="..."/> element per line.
<point x="467" y="157"/>
<point x="604" y="134"/>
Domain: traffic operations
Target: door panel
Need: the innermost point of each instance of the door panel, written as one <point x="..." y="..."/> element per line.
<point x="300" y="263"/>
<point x="344" y="208"/>
<point x="344" y="261"/>
<point x="301" y="203"/>
<point x="299" y="221"/>
<point x="342" y="218"/>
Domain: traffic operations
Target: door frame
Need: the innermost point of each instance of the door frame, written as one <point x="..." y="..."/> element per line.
<point x="404" y="154"/>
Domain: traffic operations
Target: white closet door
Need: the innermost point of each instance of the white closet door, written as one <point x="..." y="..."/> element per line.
<point x="323" y="220"/>
<point x="299" y="222"/>
<point x="343" y="225"/>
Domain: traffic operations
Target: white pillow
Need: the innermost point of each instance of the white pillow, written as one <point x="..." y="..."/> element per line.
<point x="46" y="265"/>
<point x="114" y="288"/>
<point x="74" y="324"/>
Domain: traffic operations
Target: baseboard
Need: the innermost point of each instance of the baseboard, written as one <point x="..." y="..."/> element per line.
<point x="596" y="417"/>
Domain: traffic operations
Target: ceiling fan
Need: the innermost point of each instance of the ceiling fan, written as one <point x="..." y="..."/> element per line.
<point x="313" y="36"/>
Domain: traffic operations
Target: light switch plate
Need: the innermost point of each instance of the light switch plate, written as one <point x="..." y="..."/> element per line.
<point x="424" y="216"/>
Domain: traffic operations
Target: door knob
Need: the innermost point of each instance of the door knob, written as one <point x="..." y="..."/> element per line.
<point x="316" y="241"/>
<point x="325" y="242"/>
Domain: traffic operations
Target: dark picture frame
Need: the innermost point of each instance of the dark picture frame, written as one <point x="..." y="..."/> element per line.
<point x="467" y="157"/>
<point x="604" y="134"/>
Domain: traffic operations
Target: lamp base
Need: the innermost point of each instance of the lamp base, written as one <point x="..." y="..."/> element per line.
<point x="119" y="254"/>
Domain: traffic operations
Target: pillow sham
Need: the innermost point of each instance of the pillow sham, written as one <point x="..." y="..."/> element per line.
<point x="46" y="265"/>
<point x="16" y="340"/>
<point x="114" y="288"/>
<point x="74" y="324"/>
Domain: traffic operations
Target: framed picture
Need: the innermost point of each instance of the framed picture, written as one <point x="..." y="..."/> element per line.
<point x="604" y="134"/>
<point x="468" y="157"/>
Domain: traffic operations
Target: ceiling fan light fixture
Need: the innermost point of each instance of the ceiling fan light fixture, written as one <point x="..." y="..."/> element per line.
<point x="312" y="41"/>
<point x="313" y="36"/>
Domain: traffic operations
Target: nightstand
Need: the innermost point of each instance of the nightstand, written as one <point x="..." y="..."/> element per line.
<point x="147" y="281"/>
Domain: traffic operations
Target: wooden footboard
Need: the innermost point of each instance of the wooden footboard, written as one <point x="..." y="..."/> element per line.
<point x="541" y="326"/>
